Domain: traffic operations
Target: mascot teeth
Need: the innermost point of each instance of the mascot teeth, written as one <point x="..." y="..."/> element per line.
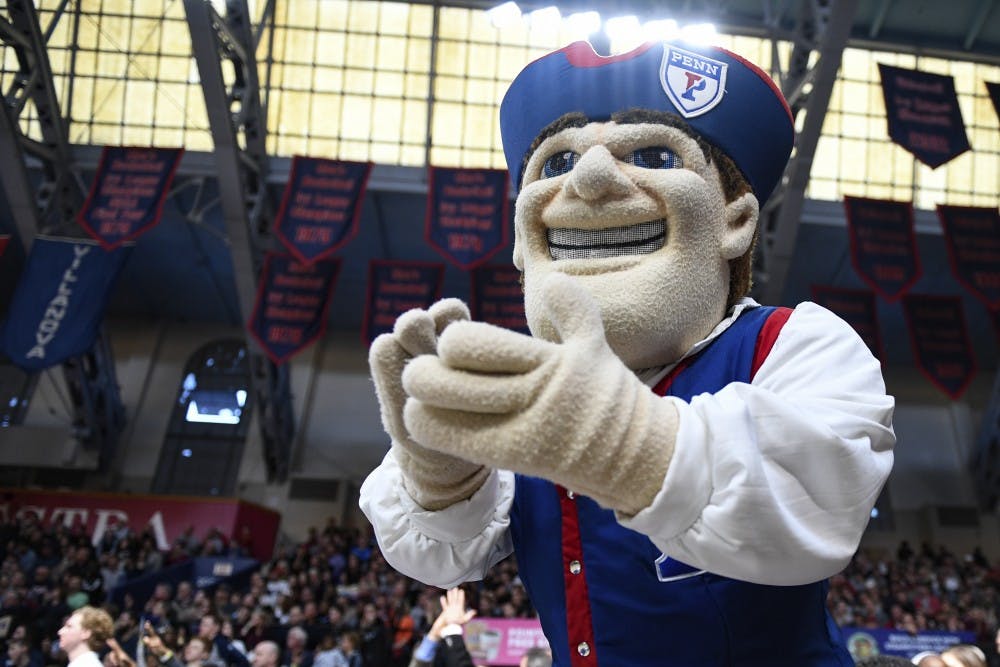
<point x="640" y="239"/>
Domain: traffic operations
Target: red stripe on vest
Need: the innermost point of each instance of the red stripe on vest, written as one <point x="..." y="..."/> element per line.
<point x="768" y="334"/>
<point x="579" y="626"/>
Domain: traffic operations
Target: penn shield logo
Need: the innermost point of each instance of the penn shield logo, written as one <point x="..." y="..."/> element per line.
<point x="694" y="83"/>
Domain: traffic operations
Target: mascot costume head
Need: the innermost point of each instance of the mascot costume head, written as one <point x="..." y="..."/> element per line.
<point x="641" y="175"/>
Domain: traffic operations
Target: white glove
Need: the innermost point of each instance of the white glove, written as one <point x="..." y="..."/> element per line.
<point x="570" y="412"/>
<point x="435" y="480"/>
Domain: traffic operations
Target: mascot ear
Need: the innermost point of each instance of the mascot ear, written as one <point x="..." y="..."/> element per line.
<point x="518" y="249"/>
<point x="741" y="222"/>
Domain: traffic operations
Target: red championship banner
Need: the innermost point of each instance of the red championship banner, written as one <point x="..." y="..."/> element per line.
<point x="857" y="308"/>
<point x="883" y="244"/>
<point x="923" y="114"/>
<point x="321" y="206"/>
<point x="293" y="299"/>
<point x="395" y="287"/>
<point x="467" y="214"/>
<point x="497" y="297"/>
<point x="940" y="341"/>
<point x="128" y="192"/>
<point x="972" y="236"/>
<point x="167" y="517"/>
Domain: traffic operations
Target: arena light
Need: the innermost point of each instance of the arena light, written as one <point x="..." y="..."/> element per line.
<point x="505" y="15"/>
<point x="583" y="24"/>
<point x="546" y="19"/>
<point x="624" y="33"/>
<point x="699" y="33"/>
<point x="660" y="30"/>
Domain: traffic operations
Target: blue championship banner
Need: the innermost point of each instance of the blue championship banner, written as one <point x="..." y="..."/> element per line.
<point x="883" y="244"/>
<point x="994" y="90"/>
<point x="497" y="297"/>
<point x="972" y="236"/>
<point x="395" y="287"/>
<point x="321" y="206"/>
<point x="923" y="114"/>
<point x="869" y="642"/>
<point x="128" y="192"/>
<point x="940" y="341"/>
<point x="293" y="299"/>
<point x="467" y="211"/>
<point x="57" y="308"/>
<point x="857" y="308"/>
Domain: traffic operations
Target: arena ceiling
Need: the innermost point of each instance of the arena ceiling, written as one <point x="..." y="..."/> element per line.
<point x="183" y="268"/>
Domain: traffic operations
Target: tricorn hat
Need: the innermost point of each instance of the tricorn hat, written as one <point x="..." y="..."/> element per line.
<point x="728" y="100"/>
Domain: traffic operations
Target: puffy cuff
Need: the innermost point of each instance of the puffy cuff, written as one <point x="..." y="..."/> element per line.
<point x="686" y="488"/>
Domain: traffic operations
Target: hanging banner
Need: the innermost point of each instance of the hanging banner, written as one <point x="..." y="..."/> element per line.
<point x="395" y="287"/>
<point x="128" y="192"/>
<point x="923" y="114"/>
<point x="972" y="236"/>
<point x="4" y="240"/>
<point x="869" y="642"/>
<point x="497" y="297"/>
<point x="994" y="91"/>
<point x="940" y="341"/>
<point x="467" y="214"/>
<point x="59" y="302"/>
<point x="321" y="206"/>
<point x="293" y="299"/>
<point x="857" y="308"/>
<point x="883" y="244"/>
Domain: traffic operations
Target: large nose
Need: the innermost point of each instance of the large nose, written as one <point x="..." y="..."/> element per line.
<point x="597" y="176"/>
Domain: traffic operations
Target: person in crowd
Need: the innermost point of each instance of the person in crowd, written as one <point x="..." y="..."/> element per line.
<point x="536" y="657"/>
<point x="928" y="659"/>
<point x="374" y="638"/>
<point x="84" y="633"/>
<point x="266" y="654"/>
<point x="350" y="646"/>
<point x="19" y="654"/>
<point x="223" y="651"/>
<point x="443" y="645"/>
<point x="296" y="653"/>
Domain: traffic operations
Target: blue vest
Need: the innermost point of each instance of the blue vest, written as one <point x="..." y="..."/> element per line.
<point x="646" y="610"/>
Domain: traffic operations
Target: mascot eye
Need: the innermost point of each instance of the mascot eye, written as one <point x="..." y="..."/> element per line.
<point x="654" y="157"/>
<point x="560" y="163"/>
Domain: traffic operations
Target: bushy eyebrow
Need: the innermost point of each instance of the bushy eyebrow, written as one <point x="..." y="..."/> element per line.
<point x="564" y="122"/>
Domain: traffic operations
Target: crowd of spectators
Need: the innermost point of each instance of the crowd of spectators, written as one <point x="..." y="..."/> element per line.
<point x="332" y="600"/>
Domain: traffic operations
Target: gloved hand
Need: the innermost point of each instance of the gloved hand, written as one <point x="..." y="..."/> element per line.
<point x="434" y="479"/>
<point x="570" y="412"/>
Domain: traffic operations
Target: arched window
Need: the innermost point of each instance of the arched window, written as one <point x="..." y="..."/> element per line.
<point x="203" y="448"/>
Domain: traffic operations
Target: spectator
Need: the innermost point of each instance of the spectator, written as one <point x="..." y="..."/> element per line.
<point x="443" y="646"/>
<point x="85" y="632"/>
<point x="374" y="638"/>
<point x="350" y="645"/>
<point x="266" y="654"/>
<point x="536" y="657"/>
<point x="296" y="654"/>
<point x="223" y="652"/>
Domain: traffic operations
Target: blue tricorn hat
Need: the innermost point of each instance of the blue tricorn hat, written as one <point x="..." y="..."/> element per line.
<point x="729" y="101"/>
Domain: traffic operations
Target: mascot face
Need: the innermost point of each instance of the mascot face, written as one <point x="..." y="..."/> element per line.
<point x="636" y="214"/>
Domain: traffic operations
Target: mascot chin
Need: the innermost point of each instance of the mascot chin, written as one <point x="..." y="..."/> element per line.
<point x="677" y="468"/>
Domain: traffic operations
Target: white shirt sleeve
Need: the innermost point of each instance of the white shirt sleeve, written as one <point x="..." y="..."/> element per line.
<point x="442" y="548"/>
<point x="773" y="482"/>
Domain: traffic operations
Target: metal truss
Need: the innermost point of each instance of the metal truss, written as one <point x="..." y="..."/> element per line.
<point x="51" y="207"/>
<point x="238" y="125"/>
<point x="822" y="28"/>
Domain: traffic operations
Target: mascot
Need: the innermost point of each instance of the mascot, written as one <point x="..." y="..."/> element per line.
<point x="677" y="468"/>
